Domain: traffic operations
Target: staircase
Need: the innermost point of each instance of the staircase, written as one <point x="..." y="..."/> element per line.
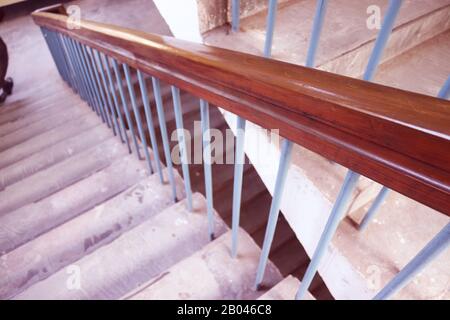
<point x="82" y="217"/>
<point x="72" y="196"/>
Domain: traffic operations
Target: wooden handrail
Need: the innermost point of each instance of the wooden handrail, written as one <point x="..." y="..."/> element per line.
<point x="397" y="138"/>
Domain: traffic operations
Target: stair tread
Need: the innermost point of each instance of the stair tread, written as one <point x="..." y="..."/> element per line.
<point x="285" y="290"/>
<point x="46" y="139"/>
<point x="60" y="175"/>
<point x="346" y="40"/>
<point x="53" y="154"/>
<point x="211" y="273"/>
<point x="133" y="258"/>
<point x="422" y="62"/>
<point x="16" y="137"/>
<point x="23" y="224"/>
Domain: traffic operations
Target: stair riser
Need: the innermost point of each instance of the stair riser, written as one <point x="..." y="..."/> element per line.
<point x="22" y="225"/>
<point x="16" y="137"/>
<point x="46" y="139"/>
<point x="403" y="38"/>
<point x="46" y="182"/>
<point x="53" y="155"/>
<point x="132" y="259"/>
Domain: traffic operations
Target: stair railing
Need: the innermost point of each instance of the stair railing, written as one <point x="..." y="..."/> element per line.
<point x="397" y="138"/>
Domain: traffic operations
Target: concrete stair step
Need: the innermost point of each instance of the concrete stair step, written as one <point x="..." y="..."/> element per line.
<point x="135" y="257"/>
<point x="30" y="118"/>
<point x="212" y="274"/>
<point x="346" y="41"/>
<point x="47" y="138"/>
<point x="41" y="126"/>
<point x="77" y="238"/>
<point x="23" y="224"/>
<point x="61" y="175"/>
<point x="53" y="155"/>
<point x="422" y="69"/>
<point x="285" y="290"/>
<point x="22" y="109"/>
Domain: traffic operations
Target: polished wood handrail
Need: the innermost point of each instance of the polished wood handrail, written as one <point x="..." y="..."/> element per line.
<point x="397" y="138"/>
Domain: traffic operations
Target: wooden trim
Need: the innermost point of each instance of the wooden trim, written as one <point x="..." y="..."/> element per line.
<point x="397" y="138"/>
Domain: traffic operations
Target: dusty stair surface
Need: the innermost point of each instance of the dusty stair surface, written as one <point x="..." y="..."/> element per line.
<point x="285" y="290"/>
<point x="74" y="201"/>
<point x="211" y="273"/>
<point x="415" y="59"/>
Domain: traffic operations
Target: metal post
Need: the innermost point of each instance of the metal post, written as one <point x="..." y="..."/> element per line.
<point x="150" y="127"/>
<point x="339" y="210"/>
<point x="283" y="168"/>
<point x="104" y="88"/>
<point x="445" y="91"/>
<point x="382" y="39"/>
<point x="164" y="136"/>
<point x="116" y="101"/>
<point x="235" y="12"/>
<point x="270" y="27"/>
<point x="99" y="89"/>
<point x="93" y="83"/>
<point x="206" y="139"/>
<point x="82" y="74"/>
<point x="239" y="159"/>
<point x="435" y="247"/>
<point x="126" y="70"/>
<point x="125" y="106"/>
<point x="182" y="144"/>
<point x="374" y="208"/>
<point x="285" y="154"/>
<point x="75" y="78"/>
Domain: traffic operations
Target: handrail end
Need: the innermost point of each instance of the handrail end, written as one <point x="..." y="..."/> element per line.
<point x="55" y="8"/>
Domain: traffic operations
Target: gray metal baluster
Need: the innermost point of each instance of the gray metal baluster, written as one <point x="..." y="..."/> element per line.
<point x="239" y="159"/>
<point x="235" y="12"/>
<point x="104" y="88"/>
<point x="57" y="38"/>
<point x="94" y="83"/>
<point x="116" y="101"/>
<point x="164" y="136"/>
<point x="126" y="70"/>
<point x="270" y="27"/>
<point x="336" y="215"/>
<point x="182" y="144"/>
<point x="82" y="89"/>
<point x="75" y="84"/>
<point x="435" y="247"/>
<point x="53" y="52"/>
<point x="445" y="91"/>
<point x="351" y="179"/>
<point x="99" y="88"/>
<point x="286" y="152"/>
<point x="150" y="127"/>
<point x="206" y="140"/>
<point x="82" y="74"/>
<point x="88" y="78"/>
<point x="125" y="106"/>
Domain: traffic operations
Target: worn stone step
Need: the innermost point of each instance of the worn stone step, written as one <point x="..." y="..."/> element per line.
<point x="135" y="257"/>
<point x="30" y="118"/>
<point x="61" y="175"/>
<point x="346" y="40"/>
<point x="285" y="290"/>
<point x="77" y="238"/>
<point x="27" y="108"/>
<point x="41" y="126"/>
<point x="53" y="155"/>
<point x="23" y="224"/>
<point x="46" y="139"/>
<point x="212" y="274"/>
